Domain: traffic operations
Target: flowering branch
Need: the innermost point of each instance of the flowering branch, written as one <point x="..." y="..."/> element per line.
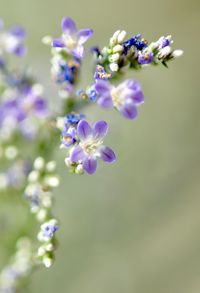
<point x="25" y="118"/>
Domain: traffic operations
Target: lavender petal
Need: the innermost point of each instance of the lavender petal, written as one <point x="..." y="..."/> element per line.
<point x="102" y="87"/>
<point x="77" y="154"/>
<point x="129" y="110"/>
<point x="90" y="165"/>
<point x="68" y="26"/>
<point x="107" y="154"/>
<point x="58" y="43"/>
<point x="105" y="101"/>
<point x="18" y="32"/>
<point x="84" y="130"/>
<point x="79" y="52"/>
<point x="100" y="129"/>
<point x="84" y="35"/>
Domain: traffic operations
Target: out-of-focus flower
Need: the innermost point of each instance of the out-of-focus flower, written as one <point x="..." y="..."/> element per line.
<point x="21" y="110"/>
<point x="12" y="41"/>
<point x="126" y="97"/>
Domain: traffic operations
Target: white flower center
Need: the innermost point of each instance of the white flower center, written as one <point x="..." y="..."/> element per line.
<point x="117" y="98"/>
<point x="70" y="42"/>
<point x="91" y="146"/>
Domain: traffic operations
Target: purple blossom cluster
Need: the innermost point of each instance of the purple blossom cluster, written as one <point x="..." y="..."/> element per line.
<point x="134" y="52"/>
<point x="24" y="113"/>
<point x="20" y="111"/>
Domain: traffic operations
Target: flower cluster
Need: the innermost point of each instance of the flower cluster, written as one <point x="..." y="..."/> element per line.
<point x="85" y="144"/>
<point x="68" y="51"/>
<point x="41" y="180"/>
<point x="21" y="107"/>
<point x="24" y="113"/>
<point x="47" y="237"/>
<point x="15" y="176"/>
<point x="134" y="52"/>
<point x="20" y="267"/>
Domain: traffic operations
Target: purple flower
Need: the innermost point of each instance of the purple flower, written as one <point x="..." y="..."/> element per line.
<point x="68" y="137"/>
<point x="100" y="73"/>
<point x="72" y="39"/>
<point x="164" y="42"/>
<point x="126" y="97"/>
<point x="91" y="146"/>
<point x="49" y="229"/>
<point x="145" y="57"/>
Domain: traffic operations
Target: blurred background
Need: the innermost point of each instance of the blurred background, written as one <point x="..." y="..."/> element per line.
<point x="133" y="226"/>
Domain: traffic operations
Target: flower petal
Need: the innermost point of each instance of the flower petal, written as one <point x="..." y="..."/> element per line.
<point x="77" y="154"/>
<point x="20" y="50"/>
<point x="18" y="32"/>
<point x="84" y="35"/>
<point x="58" y="43"/>
<point x="129" y="110"/>
<point x="84" y="130"/>
<point x="79" y="52"/>
<point x="100" y="129"/>
<point x="90" y="165"/>
<point x="138" y="98"/>
<point x="68" y="26"/>
<point x="102" y="87"/>
<point x="107" y="154"/>
<point x="105" y="102"/>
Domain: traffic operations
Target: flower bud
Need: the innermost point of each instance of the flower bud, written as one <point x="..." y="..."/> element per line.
<point x="177" y="53"/>
<point x="114" y="58"/>
<point x="121" y="37"/>
<point x="117" y="49"/>
<point x="114" y="67"/>
<point x="39" y="163"/>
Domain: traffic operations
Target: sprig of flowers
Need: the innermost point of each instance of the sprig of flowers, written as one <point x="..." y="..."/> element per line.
<point x="135" y="52"/>
<point x="24" y="113"/>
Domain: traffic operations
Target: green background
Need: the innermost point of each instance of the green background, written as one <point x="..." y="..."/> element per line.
<point x="133" y="226"/>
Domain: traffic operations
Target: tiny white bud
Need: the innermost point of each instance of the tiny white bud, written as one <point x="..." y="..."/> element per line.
<point x="121" y="37"/>
<point x="51" y="166"/>
<point x="79" y="169"/>
<point x="11" y="152"/>
<point x="113" y="39"/>
<point x="47" y="40"/>
<point x="39" y="163"/>
<point x="33" y="176"/>
<point x="114" y="58"/>
<point x="47" y="262"/>
<point x="177" y="53"/>
<point x="52" y="181"/>
<point x="117" y="49"/>
<point x="164" y="52"/>
<point x="67" y="162"/>
<point x="114" y="67"/>
<point x="60" y="122"/>
<point x="104" y="50"/>
<point x="41" y="251"/>
<point x="49" y="247"/>
<point x="41" y="215"/>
